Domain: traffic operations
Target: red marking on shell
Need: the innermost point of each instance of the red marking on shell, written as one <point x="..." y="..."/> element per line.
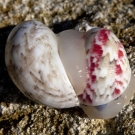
<point x="88" y="85"/>
<point x="103" y="36"/>
<point x="120" y="54"/>
<point x="118" y="70"/>
<point x="88" y="99"/>
<point x="85" y="97"/>
<point x="93" y="78"/>
<point x="92" y="67"/>
<point x="116" y="91"/>
<point x="96" y="52"/>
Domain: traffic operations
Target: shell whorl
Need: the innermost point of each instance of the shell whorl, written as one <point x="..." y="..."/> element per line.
<point x="108" y="68"/>
<point x="34" y="65"/>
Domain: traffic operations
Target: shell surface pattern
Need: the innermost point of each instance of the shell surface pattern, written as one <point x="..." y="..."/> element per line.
<point x="108" y="68"/>
<point x="87" y="69"/>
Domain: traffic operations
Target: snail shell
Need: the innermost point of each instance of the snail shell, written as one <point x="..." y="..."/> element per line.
<point x="35" y="67"/>
<point x="86" y="69"/>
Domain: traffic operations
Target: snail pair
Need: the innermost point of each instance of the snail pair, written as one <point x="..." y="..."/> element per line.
<point x="86" y="69"/>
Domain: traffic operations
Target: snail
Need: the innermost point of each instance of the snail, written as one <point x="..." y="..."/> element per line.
<point x="86" y="69"/>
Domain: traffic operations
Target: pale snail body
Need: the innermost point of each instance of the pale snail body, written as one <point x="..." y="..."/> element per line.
<point x="55" y="70"/>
